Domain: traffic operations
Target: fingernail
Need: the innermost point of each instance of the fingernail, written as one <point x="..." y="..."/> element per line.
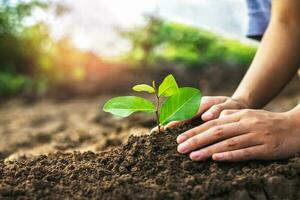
<point x="181" y="138"/>
<point x="183" y="148"/>
<point x="218" y="156"/>
<point x="196" y="155"/>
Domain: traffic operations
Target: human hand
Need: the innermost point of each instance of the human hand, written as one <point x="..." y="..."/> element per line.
<point x="210" y="108"/>
<point x="239" y="135"/>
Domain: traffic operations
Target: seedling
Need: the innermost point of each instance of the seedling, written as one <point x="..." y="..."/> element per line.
<point x="176" y="103"/>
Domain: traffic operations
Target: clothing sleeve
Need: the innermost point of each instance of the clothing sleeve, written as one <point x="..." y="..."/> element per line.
<point x="259" y="12"/>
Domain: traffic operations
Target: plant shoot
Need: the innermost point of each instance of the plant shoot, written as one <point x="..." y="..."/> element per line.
<point x="172" y="103"/>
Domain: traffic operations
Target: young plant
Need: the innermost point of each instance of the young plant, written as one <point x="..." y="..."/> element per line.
<point x="176" y="103"/>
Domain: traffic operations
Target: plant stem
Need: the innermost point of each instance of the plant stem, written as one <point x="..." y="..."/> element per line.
<point x="157" y="106"/>
<point x="157" y="113"/>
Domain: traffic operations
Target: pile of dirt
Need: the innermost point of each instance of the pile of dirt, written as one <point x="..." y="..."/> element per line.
<point x="146" y="167"/>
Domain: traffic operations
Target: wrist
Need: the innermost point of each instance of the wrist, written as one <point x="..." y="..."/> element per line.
<point x="243" y="100"/>
<point x="294" y="114"/>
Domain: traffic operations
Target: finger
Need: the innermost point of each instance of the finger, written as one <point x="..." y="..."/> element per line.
<point x="173" y="124"/>
<point x="233" y="143"/>
<point x="225" y="113"/>
<point x="214" y="112"/>
<point x="210" y="136"/>
<point x="250" y="153"/>
<point x="204" y="127"/>
<point x="207" y="102"/>
<point x="155" y="129"/>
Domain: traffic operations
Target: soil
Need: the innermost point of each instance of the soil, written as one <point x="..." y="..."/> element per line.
<point x="52" y="149"/>
<point x="145" y="167"/>
<point x="48" y="126"/>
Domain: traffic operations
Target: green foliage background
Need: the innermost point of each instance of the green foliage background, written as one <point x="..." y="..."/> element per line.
<point x="161" y="40"/>
<point x="31" y="61"/>
<point x="22" y="47"/>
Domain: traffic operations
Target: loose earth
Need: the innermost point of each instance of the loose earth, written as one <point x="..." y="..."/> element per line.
<point x="146" y="167"/>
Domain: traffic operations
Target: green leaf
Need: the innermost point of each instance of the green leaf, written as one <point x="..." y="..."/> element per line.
<point x="168" y="87"/>
<point x="180" y="106"/>
<point x="125" y="106"/>
<point x="143" y="88"/>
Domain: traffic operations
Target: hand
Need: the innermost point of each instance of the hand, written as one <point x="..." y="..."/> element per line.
<point x="239" y="135"/>
<point x="210" y="108"/>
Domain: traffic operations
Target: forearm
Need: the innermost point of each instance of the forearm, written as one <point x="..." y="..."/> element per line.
<point x="275" y="63"/>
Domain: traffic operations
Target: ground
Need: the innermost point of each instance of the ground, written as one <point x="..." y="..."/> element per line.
<point x="47" y="126"/>
<point x="37" y="158"/>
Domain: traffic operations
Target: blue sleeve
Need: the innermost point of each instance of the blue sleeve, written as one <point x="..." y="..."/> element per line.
<point x="259" y="12"/>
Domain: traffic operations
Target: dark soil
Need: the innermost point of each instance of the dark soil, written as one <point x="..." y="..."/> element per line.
<point x="146" y="167"/>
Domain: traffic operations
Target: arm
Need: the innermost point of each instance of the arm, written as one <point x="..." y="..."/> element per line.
<point x="256" y="134"/>
<point x="275" y="63"/>
<point x="277" y="59"/>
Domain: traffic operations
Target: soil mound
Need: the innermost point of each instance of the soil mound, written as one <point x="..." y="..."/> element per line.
<point x="146" y="167"/>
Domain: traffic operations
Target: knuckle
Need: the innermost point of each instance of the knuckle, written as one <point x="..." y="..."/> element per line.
<point x="254" y="121"/>
<point x="247" y="153"/>
<point x="275" y="146"/>
<point x="231" y="143"/>
<point x="266" y="133"/>
<point x="217" y="108"/>
<point x="190" y="133"/>
<point x="218" y="131"/>
<point x="225" y="112"/>
<point x="207" y="152"/>
<point x="211" y="123"/>
<point x="243" y="122"/>
<point x="194" y="141"/>
<point x="229" y="156"/>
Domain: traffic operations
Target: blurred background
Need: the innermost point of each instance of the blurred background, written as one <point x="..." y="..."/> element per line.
<point x="60" y="60"/>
